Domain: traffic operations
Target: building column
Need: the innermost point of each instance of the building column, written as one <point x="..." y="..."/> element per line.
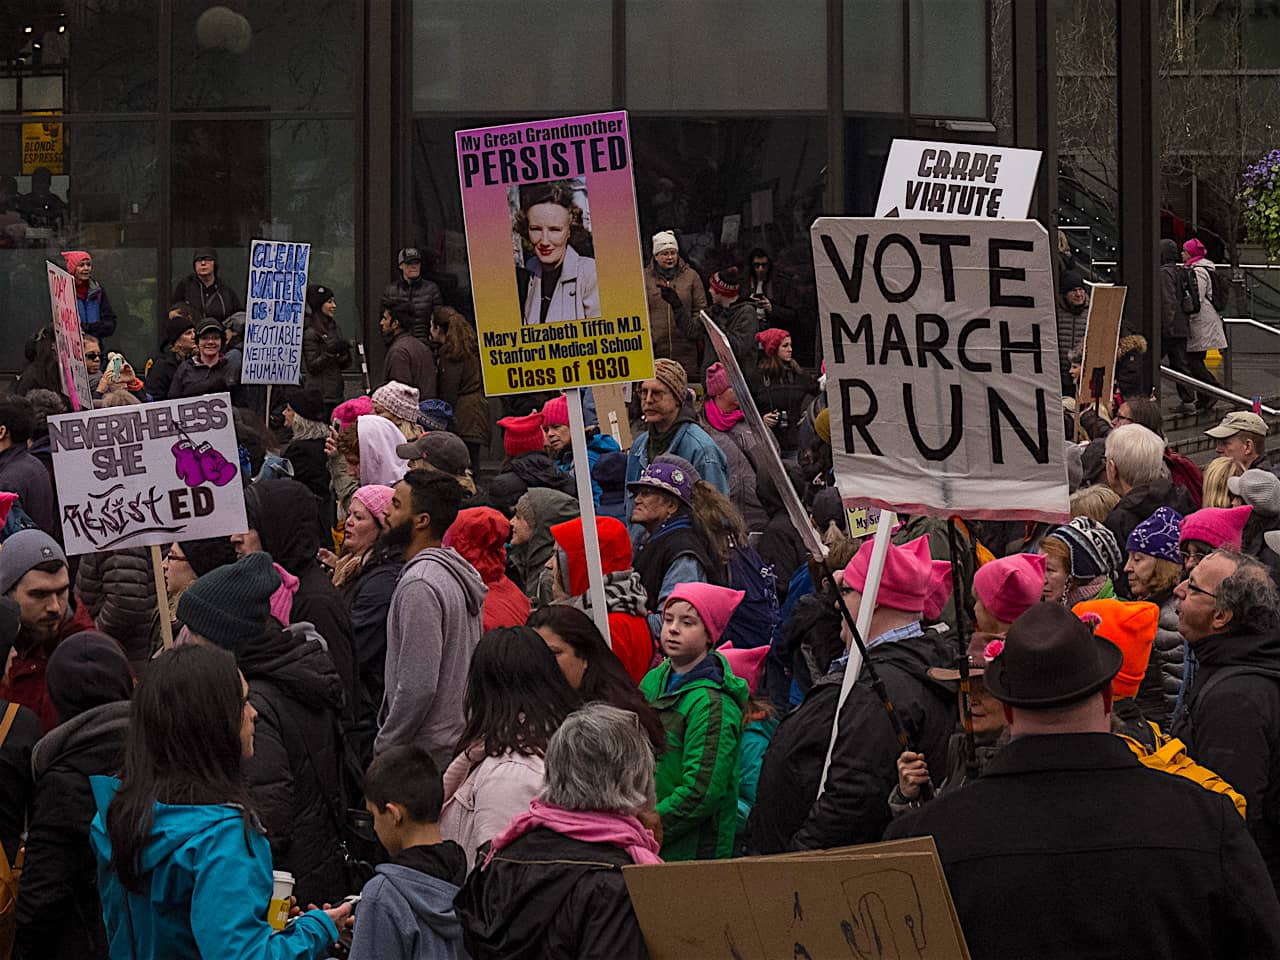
<point x="375" y="261"/>
<point x="1035" y="114"/>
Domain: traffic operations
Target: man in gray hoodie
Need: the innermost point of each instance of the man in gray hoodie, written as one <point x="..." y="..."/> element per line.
<point x="433" y="625"/>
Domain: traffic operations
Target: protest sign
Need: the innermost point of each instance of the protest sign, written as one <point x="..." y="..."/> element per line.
<point x="553" y="243"/>
<point x="1098" y="361"/>
<point x="863" y="521"/>
<point x="66" y="333"/>
<point x="876" y="901"/>
<point x="926" y="179"/>
<point x="611" y="412"/>
<point x="766" y="449"/>
<point x="942" y="366"/>
<point x="273" y="315"/>
<point x="148" y="474"/>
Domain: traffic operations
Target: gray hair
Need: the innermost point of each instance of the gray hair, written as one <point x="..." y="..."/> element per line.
<point x="600" y="759"/>
<point x="1137" y="454"/>
<point x="1248" y="594"/>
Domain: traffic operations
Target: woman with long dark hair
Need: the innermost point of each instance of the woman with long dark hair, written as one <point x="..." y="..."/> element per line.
<point x="591" y="667"/>
<point x="516" y="699"/>
<point x="183" y="866"/>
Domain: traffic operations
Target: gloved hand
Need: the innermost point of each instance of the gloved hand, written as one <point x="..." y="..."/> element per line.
<point x="669" y="295"/>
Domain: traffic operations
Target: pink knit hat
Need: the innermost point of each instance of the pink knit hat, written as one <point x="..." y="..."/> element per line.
<point x="717" y="379"/>
<point x="715" y="605"/>
<point x="398" y="399"/>
<point x="771" y="339"/>
<point x="1219" y="527"/>
<point x="376" y="497"/>
<point x="74" y="258"/>
<point x="1011" y="585"/>
<point x="908" y="571"/>
<point x="555" y="412"/>
<point x="349" y="411"/>
<point x="940" y="586"/>
<point x="1195" y="251"/>
<point x="747" y="664"/>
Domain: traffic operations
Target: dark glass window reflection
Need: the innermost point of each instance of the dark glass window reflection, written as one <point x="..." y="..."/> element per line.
<point x="96" y="191"/>
<point x="265" y="55"/>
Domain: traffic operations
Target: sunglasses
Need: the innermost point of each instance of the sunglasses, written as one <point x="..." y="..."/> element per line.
<point x="93" y="356"/>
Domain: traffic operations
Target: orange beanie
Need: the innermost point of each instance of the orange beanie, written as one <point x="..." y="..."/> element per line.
<point x="1132" y="628"/>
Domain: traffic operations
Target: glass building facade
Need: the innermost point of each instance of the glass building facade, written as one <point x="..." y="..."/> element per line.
<point x="141" y="130"/>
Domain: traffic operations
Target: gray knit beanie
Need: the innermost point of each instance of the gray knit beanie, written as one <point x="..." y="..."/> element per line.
<point x="229" y="605"/>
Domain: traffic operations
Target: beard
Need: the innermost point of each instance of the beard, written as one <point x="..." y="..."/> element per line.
<point x="399" y="536"/>
<point x="1075" y="309"/>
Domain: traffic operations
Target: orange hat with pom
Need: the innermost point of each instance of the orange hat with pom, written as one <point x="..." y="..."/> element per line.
<point x="1131" y="627"/>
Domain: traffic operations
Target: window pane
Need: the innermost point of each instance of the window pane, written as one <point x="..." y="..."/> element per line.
<point x="695" y="55"/>
<point x="866" y="150"/>
<point x="276" y="55"/>
<point x="873" y="71"/>
<point x="279" y="179"/>
<point x="101" y="199"/>
<point x="105" y="55"/>
<point x="494" y="55"/>
<point x="949" y="58"/>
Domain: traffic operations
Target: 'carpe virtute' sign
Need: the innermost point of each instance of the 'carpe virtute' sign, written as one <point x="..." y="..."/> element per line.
<point x="942" y="366"/>
<point x="148" y="474"/>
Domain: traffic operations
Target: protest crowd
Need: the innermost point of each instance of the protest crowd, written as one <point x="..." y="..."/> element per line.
<point x="391" y="684"/>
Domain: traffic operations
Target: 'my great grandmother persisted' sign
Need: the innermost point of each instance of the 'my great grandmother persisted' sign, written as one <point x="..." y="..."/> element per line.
<point x="942" y="366"/>
<point x="148" y="474"/>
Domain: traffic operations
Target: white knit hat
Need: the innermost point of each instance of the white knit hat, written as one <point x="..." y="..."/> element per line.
<point x="664" y="240"/>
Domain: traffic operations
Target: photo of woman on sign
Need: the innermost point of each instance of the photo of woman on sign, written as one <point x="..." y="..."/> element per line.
<point x="555" y="272"/>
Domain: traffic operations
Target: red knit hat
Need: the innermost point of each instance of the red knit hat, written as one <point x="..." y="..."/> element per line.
<point x="770" y="340"/>
<point x="1219" y="527"/>
<point x="725" y="282"/>
<point x="908" y="572"/>
<point x="555" y="412"/>
<point x="1132" y="628"/>
<point x="522" y="434"/>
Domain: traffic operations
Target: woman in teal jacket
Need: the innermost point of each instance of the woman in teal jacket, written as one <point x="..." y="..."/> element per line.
<point x="184" y="869"/>
<point x="700" y="702"/>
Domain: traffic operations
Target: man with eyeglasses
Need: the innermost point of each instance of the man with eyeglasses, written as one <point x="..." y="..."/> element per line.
<point x="1228" y="711"/>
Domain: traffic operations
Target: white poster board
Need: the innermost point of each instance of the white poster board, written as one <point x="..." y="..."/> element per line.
<point x="149" y="474"/>
<point x="942" y="366"/>
<point x="274" y="312"/>
<point x="66" y="331"/>
<point x="927" y="179"/>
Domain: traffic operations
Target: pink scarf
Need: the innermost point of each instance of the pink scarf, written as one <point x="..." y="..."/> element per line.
<point x="721" y="421"/>
<point x="589" y="826"/>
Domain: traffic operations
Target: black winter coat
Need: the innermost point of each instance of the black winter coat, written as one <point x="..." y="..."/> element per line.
<point x="295" y="772"/>
<point x="119" y="590"/>
<point x="216" y="300"/>
<point x="788" y="394"/>
<point x="854" y="808"/>
<point x="325" y="354"/>
<point x="422" y="296"/>
<point x="59" y="913"/>
<point x="536" y="469"/>
<point x="1137" y="505"/>
<point x="779" y="543"/>
<point x="1231" y="724"/>
<point x="160" y="376"/>
<point x="16" y="787"/>
<point x="368" y="600"/>
<point x="1052" y="816"/>
<point x="550" y="897"/>
<point x="193" y="379"/>
<point x="285" y="517"/>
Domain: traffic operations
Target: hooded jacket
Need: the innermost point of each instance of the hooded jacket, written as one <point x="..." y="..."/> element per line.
<point x="284" y="514"/>
<point x="1230" y="723"/>
<point x="1173" y="322"/>
<point x="209" y="886"/>
<point x="625" y="596"/>
<point x="433" y="628"/>
<point x="97" y="318"/>
<point x="1128" y="367"/>
<point x="406" y="910"/>
<point x="529" y="559"/>
<point x="739" y="323"/>
<point x="697" y="776"/>
<point x="551" y="897"/>
<point x="119" y="589"/>
<point x="536" y="469"/>
<point x="59" y="913"/>
<point x="480" y="535"/>
<point x="295" y="770"/>
<point x="854" y="808"/>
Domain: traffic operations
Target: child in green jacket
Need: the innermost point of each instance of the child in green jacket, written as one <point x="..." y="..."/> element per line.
<point x="700" y="703"/>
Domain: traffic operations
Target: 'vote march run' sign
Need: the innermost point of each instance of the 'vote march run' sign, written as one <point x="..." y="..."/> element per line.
<point x="942" y="366"/>
<point x="148" y="474"/>
<point x="927" y="180"/>
<point x="276" y="302"/>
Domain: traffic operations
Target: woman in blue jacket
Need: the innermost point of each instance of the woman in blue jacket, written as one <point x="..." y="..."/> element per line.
<point x="184" y="869"/>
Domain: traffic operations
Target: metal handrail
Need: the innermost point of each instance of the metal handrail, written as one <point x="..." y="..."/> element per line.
<point x="1235" y="398"/>
<point x="1249" y="321"/>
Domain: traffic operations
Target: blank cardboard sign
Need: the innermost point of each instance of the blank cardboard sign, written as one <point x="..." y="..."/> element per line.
<point x="1098" y="362"/>
<point x="882" y="901"/>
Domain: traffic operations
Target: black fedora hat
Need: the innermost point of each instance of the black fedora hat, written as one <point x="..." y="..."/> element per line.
<point x="1051" y="659"/>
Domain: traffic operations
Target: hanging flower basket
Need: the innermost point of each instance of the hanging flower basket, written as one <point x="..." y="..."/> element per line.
<point x="1261" y="198"/>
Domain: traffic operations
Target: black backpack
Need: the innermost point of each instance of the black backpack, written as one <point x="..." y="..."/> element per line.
<point x="1219" y="290"/>
<point x="1188" y="291"/>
